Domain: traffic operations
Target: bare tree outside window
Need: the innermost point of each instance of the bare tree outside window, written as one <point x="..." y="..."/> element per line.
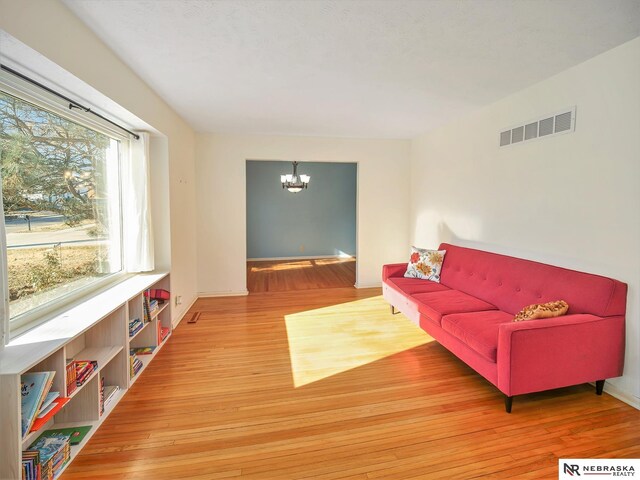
<point x="60" y="189"/>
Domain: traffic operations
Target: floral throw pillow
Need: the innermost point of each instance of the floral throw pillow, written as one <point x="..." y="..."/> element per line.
<point x="425" y="264"/>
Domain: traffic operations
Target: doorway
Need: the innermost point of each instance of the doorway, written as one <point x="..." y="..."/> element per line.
<point x="304" y="240"/>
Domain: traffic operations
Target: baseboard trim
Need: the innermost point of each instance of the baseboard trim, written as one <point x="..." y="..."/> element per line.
<point x="368" y="285"/>
<point x="242" y="293"/>
<point x="621" y="395"/>
<point x="176" y="322"/>
<point x="310" y="257"/>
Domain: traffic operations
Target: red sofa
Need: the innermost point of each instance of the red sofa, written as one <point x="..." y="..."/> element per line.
<point x="471" y="314"/>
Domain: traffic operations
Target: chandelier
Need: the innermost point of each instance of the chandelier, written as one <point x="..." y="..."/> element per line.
<point x="294" y="182"/>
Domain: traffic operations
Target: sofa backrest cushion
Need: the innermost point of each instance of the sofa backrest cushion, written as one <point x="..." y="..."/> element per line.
<point x="512" y="283"/>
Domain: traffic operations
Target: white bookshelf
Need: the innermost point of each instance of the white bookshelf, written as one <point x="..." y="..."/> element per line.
<point x="97" y="329"/>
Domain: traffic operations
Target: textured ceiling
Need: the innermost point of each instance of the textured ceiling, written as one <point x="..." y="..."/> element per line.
<point x="349" y="68"/>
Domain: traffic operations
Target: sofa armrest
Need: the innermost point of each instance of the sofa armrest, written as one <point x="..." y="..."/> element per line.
<point x="539" y="355"/>
<point x="393" y="270"/>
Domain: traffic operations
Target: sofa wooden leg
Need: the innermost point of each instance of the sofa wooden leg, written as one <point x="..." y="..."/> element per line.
<point x="393" y="310"/>
<point x="599" y="386"/>
<point x="508" y="402"/>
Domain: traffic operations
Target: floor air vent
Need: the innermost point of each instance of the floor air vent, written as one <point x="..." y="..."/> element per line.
<point x="555" y="124"/>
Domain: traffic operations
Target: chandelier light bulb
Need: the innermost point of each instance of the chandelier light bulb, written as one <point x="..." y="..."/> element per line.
<point x="293" y="182"/>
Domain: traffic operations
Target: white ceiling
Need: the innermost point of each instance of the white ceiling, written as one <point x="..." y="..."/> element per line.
<point x="349" y="68"/>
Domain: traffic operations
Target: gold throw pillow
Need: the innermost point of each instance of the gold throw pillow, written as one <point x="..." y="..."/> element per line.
<point x="542" y="310"/>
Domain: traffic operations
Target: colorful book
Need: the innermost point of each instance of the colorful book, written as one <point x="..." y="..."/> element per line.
<point x="153" y="307"/>
<point x="146" y="309"/>
<point x="143" y="350"/>
<point x="71" y="376"/>
<point x="164" y="333"/>
<point x="54" y="454"/>
<point x="135" y="365"/>
<point x="135" y="328"/>
<point x="75" y="434"/>
<point x="51" y="396"/>
<point x="57" y="404"/>
<point x="31" y="465"/>
<point x="84" y="370"/>
<point x="101" y="395"/>
<point x="34" y="389"/>
<point x="45" y="410"/>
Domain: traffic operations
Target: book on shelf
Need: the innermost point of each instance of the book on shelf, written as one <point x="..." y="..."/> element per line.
<point x="153" y="307"/>
<point x="110" y="392"/>
<point x="78" y="372"/>
<point x="71" y="376"/>
<point x="31" y="468"/>
<point x="47" y="404"/>
<point x="135" y="364"/>
<point x="101" y="395"/>
<point x="84" y="370"/>
<point x="75" y="434"/>
<point x="143" y="350"/>
<point x="54" y="452"/>
<point x="146" y="308"/>
<point x="164" y="333"/>
<point x="55" y="407"/>
<point x="135" y="326"/>
<point x="34" y="387"/>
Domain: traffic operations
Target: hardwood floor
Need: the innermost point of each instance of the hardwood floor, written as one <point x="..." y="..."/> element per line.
<point x="327" y="384"/>
<point x="286" y="275"/>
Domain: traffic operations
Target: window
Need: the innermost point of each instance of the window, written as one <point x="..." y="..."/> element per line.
<point x="62" y="208"/>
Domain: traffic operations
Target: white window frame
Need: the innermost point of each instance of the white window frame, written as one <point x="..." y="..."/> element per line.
<point x="46" y="101"/>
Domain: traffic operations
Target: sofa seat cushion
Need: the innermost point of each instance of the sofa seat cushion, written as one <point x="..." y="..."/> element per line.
<point x="478" y="330"/>
<point x="410" y="286"/>
<point x="435" y="305"/>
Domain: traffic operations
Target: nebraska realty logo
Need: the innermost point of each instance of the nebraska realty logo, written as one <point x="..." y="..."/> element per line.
<point x="598" y="467"/>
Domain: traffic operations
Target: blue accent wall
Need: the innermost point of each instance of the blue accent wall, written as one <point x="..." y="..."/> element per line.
<point x="320" y="219"/>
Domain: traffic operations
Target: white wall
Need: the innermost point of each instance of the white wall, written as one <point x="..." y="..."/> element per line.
<point x="383" y="200"/>
<point x="160" y="204"/>
<point x="571" y="200"/>
<point x="52" y="30"/>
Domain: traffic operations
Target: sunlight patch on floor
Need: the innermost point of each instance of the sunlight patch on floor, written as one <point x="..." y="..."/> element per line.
<point x="283" y="266"/>
<point x="330" y="340"/>
<point x="334" y="261"/>
<point x="298" y="264"/>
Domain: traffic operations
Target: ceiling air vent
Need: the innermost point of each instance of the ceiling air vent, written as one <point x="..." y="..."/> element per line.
<point x="558" y="123"/>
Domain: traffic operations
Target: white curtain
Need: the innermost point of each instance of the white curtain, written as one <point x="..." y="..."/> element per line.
<point x="4" y="284"/>
<point x="136" y="204"/>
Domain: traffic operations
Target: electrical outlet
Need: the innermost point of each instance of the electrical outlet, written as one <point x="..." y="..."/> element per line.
<point x="178" y="300"/>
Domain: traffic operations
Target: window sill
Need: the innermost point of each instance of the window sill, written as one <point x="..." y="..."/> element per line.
<point x="60" y="305"/>
<point x="27" y="349"/>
